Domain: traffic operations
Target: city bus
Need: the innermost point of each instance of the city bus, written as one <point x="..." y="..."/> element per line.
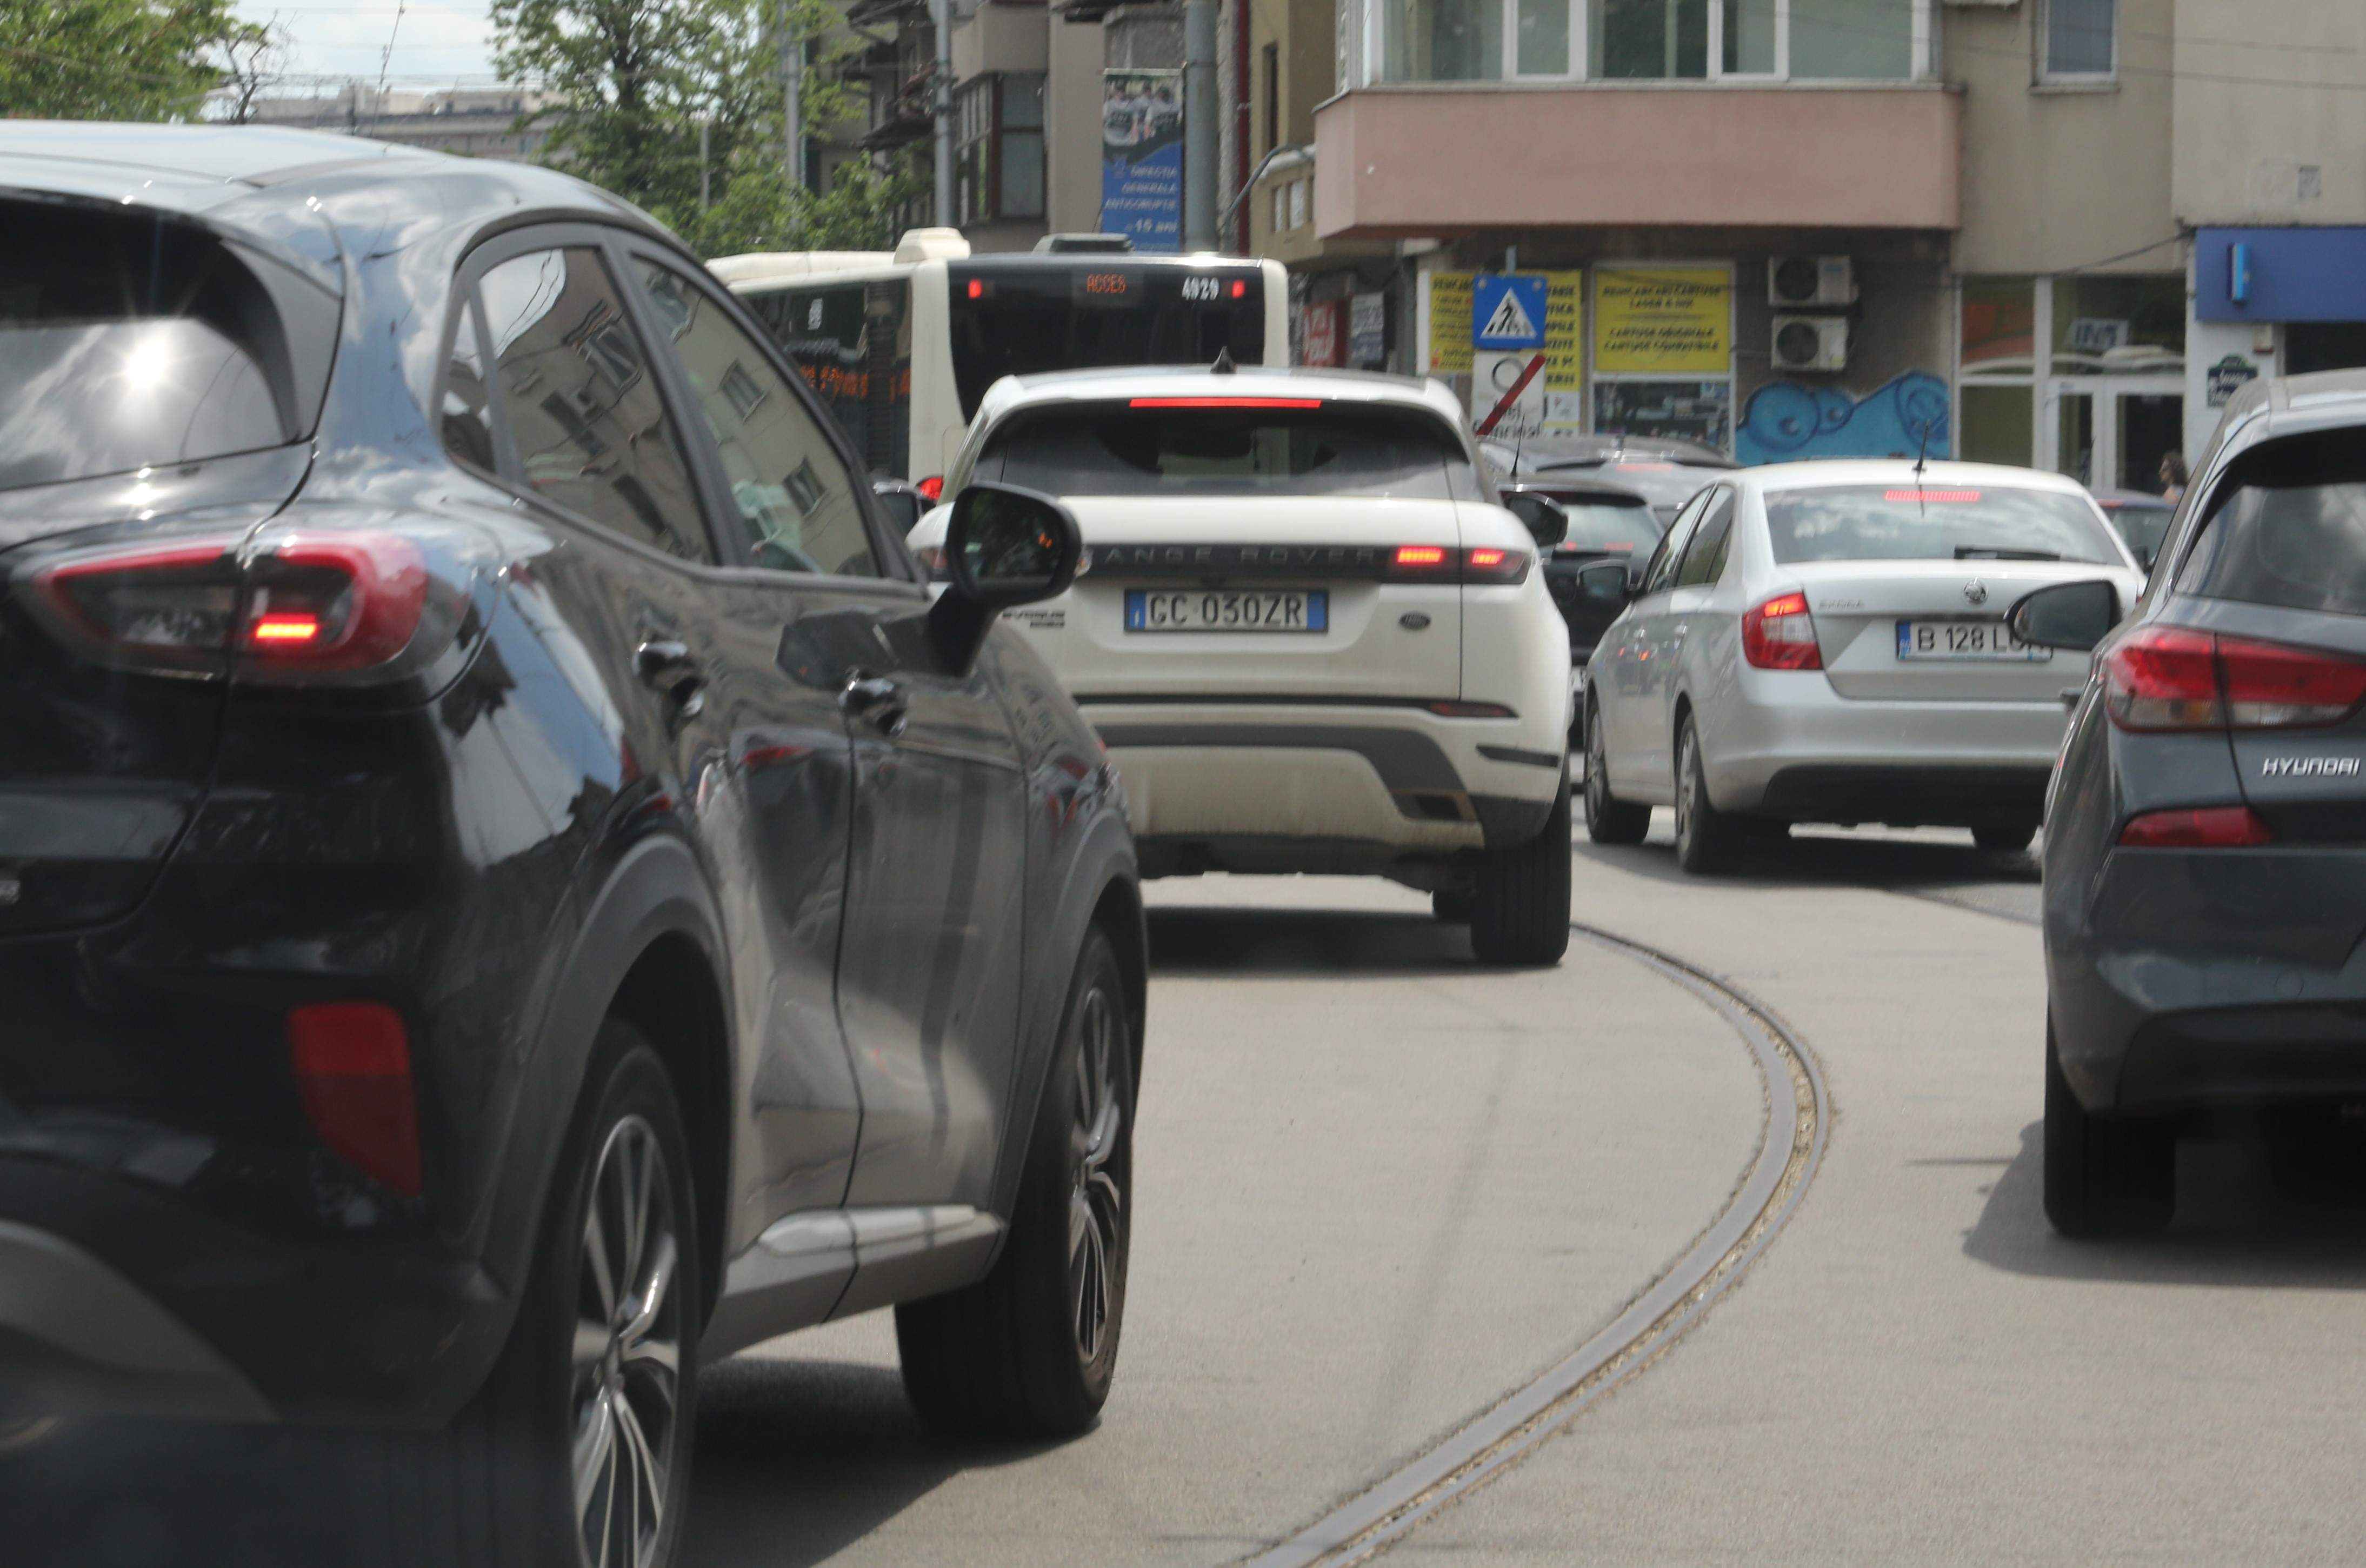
<point x="901" y="344"/>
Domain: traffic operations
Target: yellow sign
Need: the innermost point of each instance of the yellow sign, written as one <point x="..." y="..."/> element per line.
<point x="1449" y="323"/>
<point x="1663" y="321"/>
<point x="1565" y="331"/>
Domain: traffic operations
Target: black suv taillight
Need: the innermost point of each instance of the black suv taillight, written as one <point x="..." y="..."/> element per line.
<point x="294" y="606"/>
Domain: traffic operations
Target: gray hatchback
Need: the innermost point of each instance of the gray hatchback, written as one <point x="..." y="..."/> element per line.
<point x="2206" y="831"/>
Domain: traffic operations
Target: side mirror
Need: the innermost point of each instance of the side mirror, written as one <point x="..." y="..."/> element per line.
<point x="1546" y="522"/>
<point x="1004" y="546"/>
<point x="901" y="501"/>
<point x="1605" y="582"/>
<point x="2073" y="615"/>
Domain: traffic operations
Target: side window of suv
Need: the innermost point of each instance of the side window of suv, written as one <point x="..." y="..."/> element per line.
<point x="1661" y="572"/>
<point x="802" y="507"/>
<point x="1705" y="555"/>
<point x="585" y="416"/>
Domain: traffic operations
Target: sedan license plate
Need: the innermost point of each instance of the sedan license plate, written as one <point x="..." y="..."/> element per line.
<point x="1227" y="610"/>
<point x="1990" y="640"/>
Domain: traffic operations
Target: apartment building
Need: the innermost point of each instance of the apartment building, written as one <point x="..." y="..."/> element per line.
<point x="2053" y="231"/>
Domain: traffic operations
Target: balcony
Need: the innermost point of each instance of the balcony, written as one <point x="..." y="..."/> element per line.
<point x="1436" y="159"/>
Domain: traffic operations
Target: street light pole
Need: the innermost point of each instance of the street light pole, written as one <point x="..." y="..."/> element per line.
<point x="940" y="102"/>
<point x="792" y="82"/>
<point x="1199" y="113"/>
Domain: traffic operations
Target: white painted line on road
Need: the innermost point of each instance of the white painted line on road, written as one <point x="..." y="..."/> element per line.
<point x="1400" y="1503"/>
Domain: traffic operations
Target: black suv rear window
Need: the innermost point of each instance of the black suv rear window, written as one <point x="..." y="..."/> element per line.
<point x="129" y="340"/>
<point x="2287" y="526"/>
<point x="1328" y="449"/>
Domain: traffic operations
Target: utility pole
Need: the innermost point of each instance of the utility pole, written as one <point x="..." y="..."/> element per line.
<point x="1199" y="113"/>
<point x="792" y="82"/>
<point x="941" y="105"/>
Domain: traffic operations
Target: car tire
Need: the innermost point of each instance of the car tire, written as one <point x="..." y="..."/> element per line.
<point x="498" y="1488"/>
<point x="1519" y="914"/>
<point x="2005" y="839"/>
<point x="1608" y="819"/>
<point x="2105" y="1177"/>
<point x="1030" y="1350"/>
<point x="1708" y="841"/>
<point x="1452" y="909"/>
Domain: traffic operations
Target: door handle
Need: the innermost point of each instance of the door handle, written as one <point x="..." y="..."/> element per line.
<point x="876" y="698"/>
<point x="669" y="669"/>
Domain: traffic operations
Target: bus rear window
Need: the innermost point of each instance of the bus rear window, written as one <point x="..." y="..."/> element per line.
<point x="1017" y="320"/>
<point x="1332" y="449"/>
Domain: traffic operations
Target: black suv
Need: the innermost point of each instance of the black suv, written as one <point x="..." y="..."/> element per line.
<point x="2206" y="831"/>
<point x="508" y="890"/>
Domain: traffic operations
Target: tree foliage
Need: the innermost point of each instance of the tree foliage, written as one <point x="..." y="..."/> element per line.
<point x="114" y="59"/>
<point x="631" y="82"/>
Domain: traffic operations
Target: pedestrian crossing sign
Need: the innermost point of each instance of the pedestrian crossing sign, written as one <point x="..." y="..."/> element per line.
<point x="1507" y="311"/>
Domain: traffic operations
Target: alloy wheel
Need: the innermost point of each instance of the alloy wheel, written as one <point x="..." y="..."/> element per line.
<point x="626" y="1391"/>
<point x="1095" y="1203"/>
<point x="1598" y="770"/>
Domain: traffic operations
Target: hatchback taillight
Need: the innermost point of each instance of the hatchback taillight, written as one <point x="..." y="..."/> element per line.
<point x="1781" y="635"/>
<point x="2170" y="678"/>
<point x="171" y="607"/>
<point x="2205" y="827"/>
<point x="1479" y="565"/>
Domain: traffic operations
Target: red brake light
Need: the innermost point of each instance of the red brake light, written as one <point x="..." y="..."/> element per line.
<point x="334" y="601"/>
<point x="284" y="629"/>
<point x="1489" y="564"/>
<point x="1225" y="403"/>
<point x="1240" y="288"/>
<point x="353" y="1070"/>
<point x="932" y="488"/>
<point x="2209" y="827"/>
<point x="977" y="289"/>
<point x="1934" y="496"/>
<point x="1781" y="635"/>
<point x="1420" y="555"/>
<point x="2167" y="678"/>
<point x="169" y="607"/>
<point x="1487" y="558"/>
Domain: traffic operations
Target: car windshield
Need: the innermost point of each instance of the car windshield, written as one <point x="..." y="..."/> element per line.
<point x="129" y="340"/>
<point x="1609" y="528"/>
<point x="1934" y="521"/>
<point x="2141" y="528"/>
<point x="2288" y="527"/>
<point x="1274" y="446"/>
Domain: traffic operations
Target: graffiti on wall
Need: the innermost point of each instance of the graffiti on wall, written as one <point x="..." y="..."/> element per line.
<point x="1785" y="422"/>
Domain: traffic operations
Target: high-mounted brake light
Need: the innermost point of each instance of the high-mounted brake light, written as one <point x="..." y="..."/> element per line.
<point x="2167" y="678"/>
<point x="1225" y="403"/>
<point x="353" y="1072"/>
<point x="1936" y="497"/>
<point x="1781" y="635"/>
<point x="2207" y="828"/>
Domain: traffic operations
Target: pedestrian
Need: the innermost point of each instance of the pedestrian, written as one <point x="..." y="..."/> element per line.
<point x="2172" y="476"/>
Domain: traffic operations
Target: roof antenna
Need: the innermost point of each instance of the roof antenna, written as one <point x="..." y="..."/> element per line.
<point x="1922" y="456"/>
<point x="1223" y="366"/>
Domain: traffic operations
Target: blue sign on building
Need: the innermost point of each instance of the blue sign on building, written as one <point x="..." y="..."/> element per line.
<point x="1141" y="157"/>
<point x="2279" y="275"/>
<point x="1507" y="311"/>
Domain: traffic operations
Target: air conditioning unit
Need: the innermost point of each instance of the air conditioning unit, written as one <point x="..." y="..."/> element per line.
<point x="1811" y="342"/>
<point x="1806" y="282"/>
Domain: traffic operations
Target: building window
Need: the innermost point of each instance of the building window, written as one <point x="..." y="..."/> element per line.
<point x="2107" y="324"/>
<point x="2081" y="38"/>
<point x="1640" y="40"/>
<point x="998" y="150"/>
<point x="1300" y="191"/>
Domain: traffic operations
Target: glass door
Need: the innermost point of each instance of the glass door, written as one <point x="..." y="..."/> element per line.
<point x="2152" y="426"/>
<point x="2075" y="435"/>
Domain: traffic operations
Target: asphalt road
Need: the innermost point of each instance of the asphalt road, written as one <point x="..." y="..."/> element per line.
<point x="1381" y="1190"/>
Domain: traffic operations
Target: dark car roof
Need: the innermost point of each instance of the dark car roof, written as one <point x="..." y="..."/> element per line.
<point x="198" y="169"/>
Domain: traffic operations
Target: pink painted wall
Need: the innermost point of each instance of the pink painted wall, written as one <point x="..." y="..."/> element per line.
<point x="1403" y="162"/>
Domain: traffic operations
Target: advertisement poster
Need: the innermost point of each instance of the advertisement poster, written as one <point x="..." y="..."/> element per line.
<point x="1663" y="321"/>
<point x="1367" y="331"/>
<point x="1447" y="352"/>
<point x="1324" y="343"/>
<point x="1564" y="394"/>
<point x="1141" y="157"/>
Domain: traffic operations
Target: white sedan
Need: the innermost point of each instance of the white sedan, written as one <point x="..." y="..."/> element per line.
<point x="1825" y="642"/>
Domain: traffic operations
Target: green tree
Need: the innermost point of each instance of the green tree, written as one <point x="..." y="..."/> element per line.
<point x="114" y="59"/>
<point x="760" y="212"/>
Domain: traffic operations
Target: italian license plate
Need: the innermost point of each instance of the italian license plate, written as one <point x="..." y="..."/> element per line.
<point x="1227" y="610"/>
<point x="1989" y="640"/>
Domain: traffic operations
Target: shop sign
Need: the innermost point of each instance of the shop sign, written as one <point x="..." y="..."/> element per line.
<point x="1564" y="378"/>
<point x="1448" y="349"/>
<point x="1367" y="331"/>
<point x="2226" y="378"/>
<point x="1323" y="344"/>
<point x="2098" y="335"/>
<point x="1663" y="321"/>
<point x="1141" y="157"/>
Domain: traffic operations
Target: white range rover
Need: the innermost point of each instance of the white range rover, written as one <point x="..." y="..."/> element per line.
<point x="1309" y="633"/>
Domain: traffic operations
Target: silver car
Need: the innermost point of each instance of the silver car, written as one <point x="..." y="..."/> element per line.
<point x="1825" y="642"/>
